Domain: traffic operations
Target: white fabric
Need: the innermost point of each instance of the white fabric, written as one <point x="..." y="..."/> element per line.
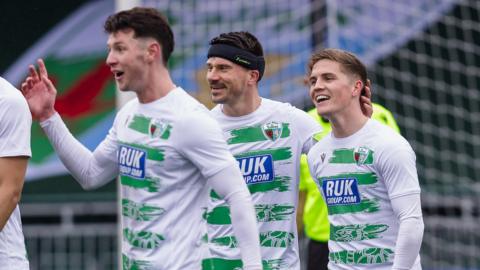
<point x="410" y="233"/>
<point x="236" y="194"/>
<point x="275" y="205"/>
<point x="164" y="152"/>
<point x="15" y="123"/>
<point x="91" y="170"/>
<point x="363" y="178"/>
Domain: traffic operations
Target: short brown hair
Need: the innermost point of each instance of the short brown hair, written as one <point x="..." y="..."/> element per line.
<point x="349" y="63"/>
<point x="145" y="22"/>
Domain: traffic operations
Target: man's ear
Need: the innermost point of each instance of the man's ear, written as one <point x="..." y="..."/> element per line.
<point x="154" y="52"/>
<point x="358" y="88"/>
<point x="254" y="76"/>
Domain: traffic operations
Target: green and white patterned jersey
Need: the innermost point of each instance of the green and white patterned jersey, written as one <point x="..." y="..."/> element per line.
<point x="358" y="176"/>
<point x="166" y="151"/>
<point x="267" y="145"/>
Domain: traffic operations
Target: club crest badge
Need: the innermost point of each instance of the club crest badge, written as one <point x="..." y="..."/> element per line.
<point x="361" y="154"/>
<point x="272" y="130"/>
<point x="159" y="129"/>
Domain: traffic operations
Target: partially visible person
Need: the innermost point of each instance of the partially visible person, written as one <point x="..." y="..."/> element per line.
<point x="164" y="145"/>
<point x="15" y="124"/>
<point x="312" y="215"/>
<point x="366" y="172"/>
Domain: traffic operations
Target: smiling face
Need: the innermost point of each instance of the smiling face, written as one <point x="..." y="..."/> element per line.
<point x="331" y="89"/>
<point x="227" y="80"/>
<point x="127" y="60"/>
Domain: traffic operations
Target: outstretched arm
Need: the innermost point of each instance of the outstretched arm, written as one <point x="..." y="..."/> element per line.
<point x="89" y="169"/>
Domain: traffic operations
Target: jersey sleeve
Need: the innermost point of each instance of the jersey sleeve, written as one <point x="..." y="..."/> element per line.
<point x="91" y="170"/>
<point x="306" y="128"/>
<point x="15" y="124"/>
<point x="397" y="166"/>
<point x="201" y="140"/>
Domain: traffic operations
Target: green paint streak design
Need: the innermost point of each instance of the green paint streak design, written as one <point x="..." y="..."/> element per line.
<point x="283" y="153"/>
<point x="253" y="134"/>
<point x="346" y="156"/>
<point x="279" y="239"/>
<point x="143" y="239"/>
<point x="362" y="178"/>
<point x="151" y="185"/>
<point x="279" y="183"/>
<point x="273" y="212"/>
<point x="265" y="213"/>
<point x="152" y="154"/>
<point x="227" y="241"/>
<point x="225" y="264"/>
<point x="356" y="232"/>
<point x="218" y="216"/>
<point x="140" y="123"/>
<point x="140" y="211"/>
<point x="130" y="264"/>
<point x="364" y="256"/>
<point x="366" y="205"/>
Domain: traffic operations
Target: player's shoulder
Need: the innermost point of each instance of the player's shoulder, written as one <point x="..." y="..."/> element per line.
<point x="385" y="137"/>
<point x="11" y="97"/>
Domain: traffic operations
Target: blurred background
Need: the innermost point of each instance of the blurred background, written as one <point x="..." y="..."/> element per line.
<point x="423" y="58"/>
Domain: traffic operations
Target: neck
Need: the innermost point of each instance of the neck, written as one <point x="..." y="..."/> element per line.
<point x="346" y="124"/>
<point x="158" y="85"/>
<point x="243" y="105"/>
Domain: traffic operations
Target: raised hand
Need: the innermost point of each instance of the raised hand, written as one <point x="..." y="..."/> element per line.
<point x="366" y="100"/>
<point x="39" y="92"/>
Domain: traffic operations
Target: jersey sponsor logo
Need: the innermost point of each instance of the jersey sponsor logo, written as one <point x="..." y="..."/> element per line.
<point x="132" y="161"/>
<point x="272" y="130"/>
<point x="257" y="169"/>
<point x="159" y="129"/>
<point x="341" y="191"/>
<point x="361" y="154"/>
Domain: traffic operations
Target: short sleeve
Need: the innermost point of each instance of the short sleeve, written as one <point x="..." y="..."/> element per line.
<point x="200" y="140"/>
<point x="15" y="125"/>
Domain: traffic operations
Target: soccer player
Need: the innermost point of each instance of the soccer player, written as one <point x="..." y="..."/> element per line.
<point x="312" y="216"/>
<point x="164" y="145"/>
<point x="15" y="123"/>
<point x="267" y="138"/>
<point x="366" y="172"/>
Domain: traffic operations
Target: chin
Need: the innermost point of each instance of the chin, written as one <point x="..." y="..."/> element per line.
<point x="324" y="112"/>
<point x="217" y="100"/>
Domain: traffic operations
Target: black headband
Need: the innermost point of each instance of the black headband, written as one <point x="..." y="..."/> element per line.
<point x="238" y="56"/>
